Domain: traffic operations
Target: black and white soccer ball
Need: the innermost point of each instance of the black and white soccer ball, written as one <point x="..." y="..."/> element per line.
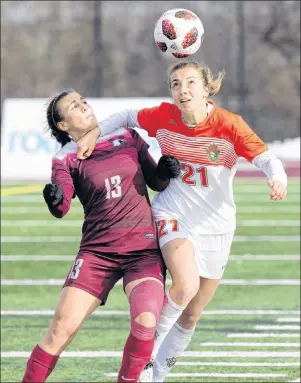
<point x="179" y="33"/>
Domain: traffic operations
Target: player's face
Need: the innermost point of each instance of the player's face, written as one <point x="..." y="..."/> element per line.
<point x="187" y="89"/>
<point x="77" y="115"/>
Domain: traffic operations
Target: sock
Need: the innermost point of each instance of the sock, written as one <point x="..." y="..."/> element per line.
<point x="136" y="355"/>
<point x="169" y="315"/>
<point x="173" y="346"/>
<point x="39" y="366"/>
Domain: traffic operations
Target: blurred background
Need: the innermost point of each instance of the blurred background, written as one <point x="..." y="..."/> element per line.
<point x="107" y="49"/>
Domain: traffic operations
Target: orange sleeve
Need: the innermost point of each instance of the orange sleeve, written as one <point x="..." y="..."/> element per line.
<point x="150" y="119"/>
<point x="246" y="142"/>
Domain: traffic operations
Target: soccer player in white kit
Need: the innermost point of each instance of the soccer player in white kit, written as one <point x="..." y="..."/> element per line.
<point x="195" y="214"/>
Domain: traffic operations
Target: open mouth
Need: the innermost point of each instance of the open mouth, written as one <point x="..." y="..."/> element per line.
<point x="185" y="101"/>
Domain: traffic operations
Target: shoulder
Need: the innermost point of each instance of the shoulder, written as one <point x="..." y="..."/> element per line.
<point x="67" y="149"/>
<point x="226" y="119"/>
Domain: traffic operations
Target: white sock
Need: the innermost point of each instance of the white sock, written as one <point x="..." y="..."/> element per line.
<point x="169" y="315"/>
<point x="173" y="346"/>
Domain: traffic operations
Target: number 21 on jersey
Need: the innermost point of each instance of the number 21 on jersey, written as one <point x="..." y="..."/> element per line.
<point x="193" y="177"/>
<point x="166" y="226"/>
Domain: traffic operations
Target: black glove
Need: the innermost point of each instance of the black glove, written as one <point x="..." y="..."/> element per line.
<point x="53" y="194"/>
<point x="168" y="167"/>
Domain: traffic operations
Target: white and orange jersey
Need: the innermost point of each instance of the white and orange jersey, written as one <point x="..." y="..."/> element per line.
<point x="202" y="198"/>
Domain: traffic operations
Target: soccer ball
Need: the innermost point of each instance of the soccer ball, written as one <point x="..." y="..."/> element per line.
<point x="179" y="33"/>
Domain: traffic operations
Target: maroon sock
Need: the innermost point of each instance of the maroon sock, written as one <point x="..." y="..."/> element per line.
<point x="39" y="366"/>
<point x="136" y="355"/>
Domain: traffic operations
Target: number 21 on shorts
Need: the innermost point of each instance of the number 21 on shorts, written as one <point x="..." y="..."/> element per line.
<point x="166" y="226"/>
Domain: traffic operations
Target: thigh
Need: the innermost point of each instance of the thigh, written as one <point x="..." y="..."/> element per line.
<point x="212" y="254"/>
<point x="177" y="247"/>
<point x="142" y="265"/>
<point x="94" y="274"/>
<point x="75" y="305"/>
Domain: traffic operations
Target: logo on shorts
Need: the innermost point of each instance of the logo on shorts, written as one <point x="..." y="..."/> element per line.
<point x="149" y="235"/>
<point x="213" y="152"/>
<point x="156" y="334"/>
<point x="224" y="266"/>
<point x="170" y="362"/>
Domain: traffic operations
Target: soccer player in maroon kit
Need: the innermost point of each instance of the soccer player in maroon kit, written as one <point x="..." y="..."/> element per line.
<point x="118" y="234"/>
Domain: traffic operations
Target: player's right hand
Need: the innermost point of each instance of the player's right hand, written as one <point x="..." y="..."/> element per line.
<point x="168" y="167"/>
<point x="53" y="194"/>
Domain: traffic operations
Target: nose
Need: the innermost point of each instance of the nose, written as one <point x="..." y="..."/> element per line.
<point x="183" y="89"/>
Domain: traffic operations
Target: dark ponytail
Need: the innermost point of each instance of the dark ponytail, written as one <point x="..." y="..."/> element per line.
<point x="53" y="117"/>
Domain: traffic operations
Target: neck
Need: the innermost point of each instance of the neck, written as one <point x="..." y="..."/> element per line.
<point x="196" y="117"/>
<point x="76" y="136"/>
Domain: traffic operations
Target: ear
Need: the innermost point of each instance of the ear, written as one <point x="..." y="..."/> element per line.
<point x="206" y="89"/>
<point x="62" y="126"/>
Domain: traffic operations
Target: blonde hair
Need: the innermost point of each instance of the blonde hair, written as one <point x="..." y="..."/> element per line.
<point x="213" y="84"/>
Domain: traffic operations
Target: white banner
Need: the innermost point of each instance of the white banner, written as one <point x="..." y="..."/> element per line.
<point x="27" y="148"/>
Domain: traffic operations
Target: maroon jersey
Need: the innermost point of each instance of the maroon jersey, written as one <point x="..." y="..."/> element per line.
<point x="110" y="185"/>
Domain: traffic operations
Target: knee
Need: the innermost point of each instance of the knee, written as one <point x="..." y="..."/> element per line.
<point x="189" y="320"/>
<point x="63" y="329"/>
<point x="183" y="292"/>
<point x="146" y="319"/>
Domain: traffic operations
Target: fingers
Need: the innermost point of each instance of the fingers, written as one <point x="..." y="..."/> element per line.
<point x="278" y="192"/>
<point x="82" y="151"/>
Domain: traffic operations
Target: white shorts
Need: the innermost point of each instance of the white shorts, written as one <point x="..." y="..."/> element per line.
<point x="211" y="250"/>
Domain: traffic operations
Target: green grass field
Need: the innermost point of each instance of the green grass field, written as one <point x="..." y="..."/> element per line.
<point x="250" y="331"/>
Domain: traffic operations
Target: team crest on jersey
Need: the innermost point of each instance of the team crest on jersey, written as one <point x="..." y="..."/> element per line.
<point x="213" y="152"/>
<point x="118" y="141"/>
<point x="170" y="362"/>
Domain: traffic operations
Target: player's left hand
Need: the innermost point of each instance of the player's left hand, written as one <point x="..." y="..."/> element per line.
<point x="168" y="167"/>
<point x="279" y="190"/>
<point x="86" y="144"/>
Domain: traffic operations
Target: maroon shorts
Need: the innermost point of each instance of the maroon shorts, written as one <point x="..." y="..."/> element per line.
<point x="97" y="274"/>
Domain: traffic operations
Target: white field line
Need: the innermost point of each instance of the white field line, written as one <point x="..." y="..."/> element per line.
<point x="272" y="209"/>
<point x="192" y="354"/>
<point x="101" y="312"/>
<point x="249" y="344"/>
<point x="237" y="197"/>
<point x="298" y="380"/>
<point x="288" y="320"/>
<point x="239" y="364"/>
<point x="56" y="258"/>
<point x="227" y="282"/>
<point x="214" y="375"/>
<point x="76" y="239"/>
<point x="262" y="335"/>
<point x="277" y="327"/>
<point x="78" y="223"/>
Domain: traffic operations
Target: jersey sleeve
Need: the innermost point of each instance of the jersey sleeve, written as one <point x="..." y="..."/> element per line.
<point x="125" y="119"/>
<point x="61" y="176"/>
<point x="148" y="164"/>
<point x="246" y="142"/>
<point x="150" y="119"/>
